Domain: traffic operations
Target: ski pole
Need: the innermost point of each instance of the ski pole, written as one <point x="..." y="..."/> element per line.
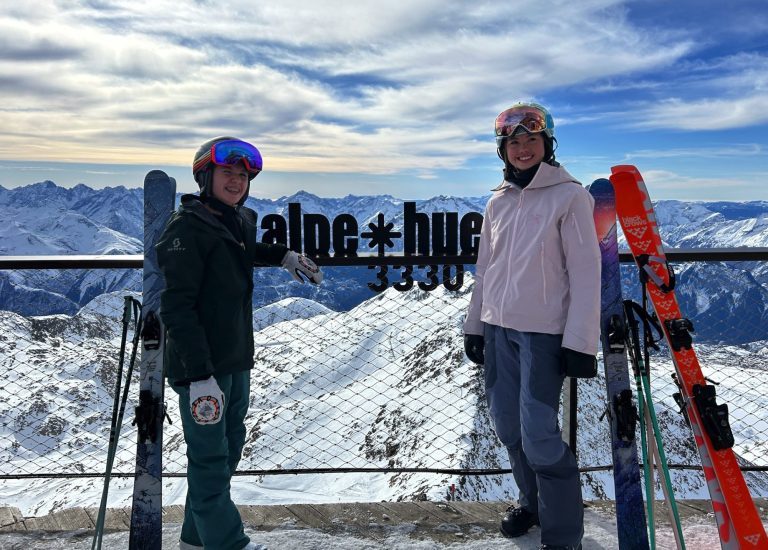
<point x="118" y="409"/>
<point x="644" y="388"/>
<point x="650" y="342"/>
<point x="635" y="359"/>
<point x="113" y="422"/>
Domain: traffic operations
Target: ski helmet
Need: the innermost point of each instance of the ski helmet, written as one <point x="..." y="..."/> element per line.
<point x="224" y="151"/>
<point x="530" y="118"/>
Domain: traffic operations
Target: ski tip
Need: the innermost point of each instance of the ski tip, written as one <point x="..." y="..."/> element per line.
<point x="156" y="174"/>
<point x="599" y="185"/>
<point x="623" y="168"/>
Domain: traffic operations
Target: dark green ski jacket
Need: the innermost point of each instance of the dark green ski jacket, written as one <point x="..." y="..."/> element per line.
<point x="207" y="302"/>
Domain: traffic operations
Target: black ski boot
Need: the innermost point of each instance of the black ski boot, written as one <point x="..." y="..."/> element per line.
<point x="517" y="522"/>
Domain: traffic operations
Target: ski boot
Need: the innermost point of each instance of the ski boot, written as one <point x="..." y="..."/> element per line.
<point x="517" y="521"/>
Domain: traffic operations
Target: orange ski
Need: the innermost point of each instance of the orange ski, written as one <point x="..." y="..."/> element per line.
<point x="738" y="522"/>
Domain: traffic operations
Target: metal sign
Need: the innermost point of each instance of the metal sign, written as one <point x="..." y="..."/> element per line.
<point x="438" y="244"/>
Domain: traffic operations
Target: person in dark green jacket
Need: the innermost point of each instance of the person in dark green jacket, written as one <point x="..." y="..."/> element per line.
<point x="207" y="254"/>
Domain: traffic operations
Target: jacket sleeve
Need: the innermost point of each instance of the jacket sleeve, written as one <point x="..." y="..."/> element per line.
<point x="472" y="324"/>
<point x="182" y="263"/>
<point x="264" y="254"/>
<point x="582" y="260"/>
<point x="268" y="254"/>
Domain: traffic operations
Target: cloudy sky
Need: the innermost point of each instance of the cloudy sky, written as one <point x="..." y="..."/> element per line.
<point x="397" y="97"/>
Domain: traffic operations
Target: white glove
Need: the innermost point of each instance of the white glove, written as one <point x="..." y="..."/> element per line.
<point x="298" y="265"/>
<point x="206" y="401"/>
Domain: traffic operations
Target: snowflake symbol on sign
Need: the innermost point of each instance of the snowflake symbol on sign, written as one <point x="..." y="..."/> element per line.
<point x="381" y="234"/>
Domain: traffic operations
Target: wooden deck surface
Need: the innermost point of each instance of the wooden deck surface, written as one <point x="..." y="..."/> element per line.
<point x="442" y="521"/>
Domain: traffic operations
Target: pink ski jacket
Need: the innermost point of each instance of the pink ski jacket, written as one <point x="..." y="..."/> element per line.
<point x="538" y="264"/>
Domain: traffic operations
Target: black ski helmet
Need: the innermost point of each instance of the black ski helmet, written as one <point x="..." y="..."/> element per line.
<point x="203" y="174"/>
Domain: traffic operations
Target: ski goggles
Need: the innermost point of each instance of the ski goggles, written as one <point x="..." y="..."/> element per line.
<point x="230" y="152"/>
<point x="530" y="118"/>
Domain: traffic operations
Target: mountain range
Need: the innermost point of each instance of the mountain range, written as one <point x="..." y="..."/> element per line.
<point x="727" y="302"/>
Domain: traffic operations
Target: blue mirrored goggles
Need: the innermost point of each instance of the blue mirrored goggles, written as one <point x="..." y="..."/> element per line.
<point x="230" y="152"/>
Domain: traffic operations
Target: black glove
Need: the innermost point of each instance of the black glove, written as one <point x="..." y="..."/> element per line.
<point x="474" y="347"/>
<point x="578" y="365"/>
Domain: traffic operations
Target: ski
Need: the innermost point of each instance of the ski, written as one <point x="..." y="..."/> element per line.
<point x="622" y="411"/>
<point x="738" y="522"/>
<point x="146" y="512"/>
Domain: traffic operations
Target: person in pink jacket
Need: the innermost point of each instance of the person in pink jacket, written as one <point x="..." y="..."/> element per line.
<point x="534" y="318"/>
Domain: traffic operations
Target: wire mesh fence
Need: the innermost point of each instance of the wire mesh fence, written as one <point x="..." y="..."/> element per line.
<point x="381" y="386"/>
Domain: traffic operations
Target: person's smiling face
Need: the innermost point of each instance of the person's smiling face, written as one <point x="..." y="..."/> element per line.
<point x="230" y="183"/>
<point x="525" y="150"/>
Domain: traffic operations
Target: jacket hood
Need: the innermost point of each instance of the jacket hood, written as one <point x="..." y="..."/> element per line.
<point x="546" y="176"/>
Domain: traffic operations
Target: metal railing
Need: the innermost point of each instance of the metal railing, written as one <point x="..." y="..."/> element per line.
<point x="381" y="388"/>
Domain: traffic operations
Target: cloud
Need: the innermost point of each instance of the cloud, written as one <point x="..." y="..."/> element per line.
<point x="730" y="151"/>
<point x="705" y="114"/>
<point x="139" y="81"/>
<point x="670" y="184"/>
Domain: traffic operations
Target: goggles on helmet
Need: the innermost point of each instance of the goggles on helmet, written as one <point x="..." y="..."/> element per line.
<point x="230" y="152"/>
<point x="531" y="118"/>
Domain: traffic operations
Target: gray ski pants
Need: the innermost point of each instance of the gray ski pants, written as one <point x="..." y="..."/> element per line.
<point x="523" y="381"/>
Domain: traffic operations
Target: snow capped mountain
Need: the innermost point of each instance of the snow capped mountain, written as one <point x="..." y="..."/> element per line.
<point x="287" y="309"/>
<point x="115" y="208"/>
<point x="713" y="224"/>
<point x="46" y="219"/>
<point x="385" y="384"/>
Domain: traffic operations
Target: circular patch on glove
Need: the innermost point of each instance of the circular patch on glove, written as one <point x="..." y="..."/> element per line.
<point x="206" y="409"/>
<point x="308" y="264"/>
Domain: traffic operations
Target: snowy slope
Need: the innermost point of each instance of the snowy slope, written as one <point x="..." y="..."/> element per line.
<point x="383" y="385"/>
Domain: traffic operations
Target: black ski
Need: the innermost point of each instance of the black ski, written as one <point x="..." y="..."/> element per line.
<point x="146" y="513"/>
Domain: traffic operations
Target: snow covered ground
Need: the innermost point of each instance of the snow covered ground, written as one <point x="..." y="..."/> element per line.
<point x="600" y="534"/>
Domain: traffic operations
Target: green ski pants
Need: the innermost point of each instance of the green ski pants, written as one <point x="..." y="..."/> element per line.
<point x="211" y="519"/>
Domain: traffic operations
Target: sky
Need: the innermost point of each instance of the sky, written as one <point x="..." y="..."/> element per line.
<point x="394" y="97"/>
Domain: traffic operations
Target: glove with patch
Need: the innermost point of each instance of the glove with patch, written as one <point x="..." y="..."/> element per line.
<point x="298" y="265"/>
<point x="206" y="401"/>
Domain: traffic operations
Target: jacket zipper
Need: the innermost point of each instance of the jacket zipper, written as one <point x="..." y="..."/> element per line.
<point x="543" y="273"/>
<point x="511" y="255"/>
